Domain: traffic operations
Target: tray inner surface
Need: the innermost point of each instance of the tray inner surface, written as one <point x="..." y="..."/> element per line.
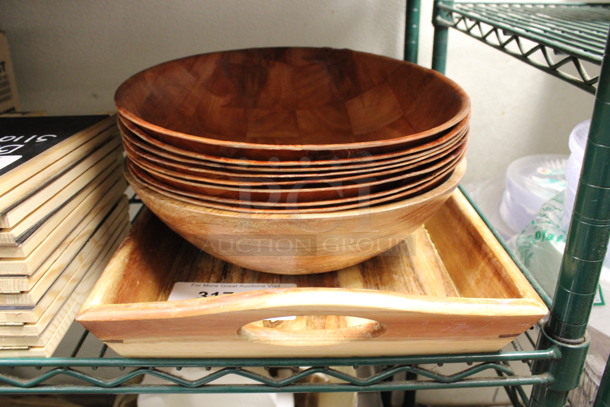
<point x="442" y="259"/>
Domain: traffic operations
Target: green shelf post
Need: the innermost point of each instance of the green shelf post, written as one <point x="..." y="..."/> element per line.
<point x="411" y="45"/>
<point x="583" y="257"/>
<point x="441" y="37"/>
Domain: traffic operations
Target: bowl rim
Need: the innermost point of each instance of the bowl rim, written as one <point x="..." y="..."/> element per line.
<point x="123" y="88"/>
<point x="334" y="207"/>
<point x="454" y="132"/>
<point x="169" y="163"/>
<point x="443" y="189"/>
<point x="233" y="180"/>
<point x="397" y="174"/>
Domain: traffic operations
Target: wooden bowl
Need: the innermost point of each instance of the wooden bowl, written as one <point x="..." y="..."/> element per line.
<point x="136" y="136"/>
<point x="317" y="193"/>
<point x="186" y="173"/>
<point x="291" y="103"/>
<point x="187" y="168"/>
<point x="297" y="243"/>
<point x="383" y="197"/>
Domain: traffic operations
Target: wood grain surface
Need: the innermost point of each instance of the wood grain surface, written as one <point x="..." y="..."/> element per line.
<point x="35" y="212"/>
<point x="51" y="300"/>
<point x="55" y="168"/>
<point x="44" y="344"/>
<point x="43" y="168"/>
<point x="52" y="231"/>
<point x="106" y="239"/>
<point x="301" y="162"/>
<point x="27" y="272"/>
<point x="184" y="172"/>
<point x="55" y="277"/>
<point x="317" y="193"/>
<point x="305" y="172"/>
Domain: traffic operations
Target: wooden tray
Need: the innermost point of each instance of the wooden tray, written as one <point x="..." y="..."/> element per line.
<point x="449" y="287"/>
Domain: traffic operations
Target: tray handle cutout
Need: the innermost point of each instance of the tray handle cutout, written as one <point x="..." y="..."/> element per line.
<point x="311" y="330"/>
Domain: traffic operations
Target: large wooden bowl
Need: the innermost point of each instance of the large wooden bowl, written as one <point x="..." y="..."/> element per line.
<point x="291" y="103"/>
<point x="297" y="243"/>
<point x="363" y="159"/>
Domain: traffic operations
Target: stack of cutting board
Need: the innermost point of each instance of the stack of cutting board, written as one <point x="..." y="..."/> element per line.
<point x="62" y="213"/>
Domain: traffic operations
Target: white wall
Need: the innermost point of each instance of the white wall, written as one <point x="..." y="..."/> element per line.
<point x="70" y="56"/>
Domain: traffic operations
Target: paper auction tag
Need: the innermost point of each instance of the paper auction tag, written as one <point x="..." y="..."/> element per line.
<point x="188" y="291"/>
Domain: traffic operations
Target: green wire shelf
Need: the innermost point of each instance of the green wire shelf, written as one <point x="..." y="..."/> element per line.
<point x="108" y="373"/>
<point x="566" y="40"/>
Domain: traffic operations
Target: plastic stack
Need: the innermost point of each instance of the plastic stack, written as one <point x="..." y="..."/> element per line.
<point x="530" y="182"/>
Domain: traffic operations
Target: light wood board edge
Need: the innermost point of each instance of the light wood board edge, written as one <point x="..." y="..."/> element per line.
<point x="109" y="232"/>
<point x="51" y="233"/>
<point x="31" y="315"/>
<point x="55" y="338"/>
<point x="53" y="278"/>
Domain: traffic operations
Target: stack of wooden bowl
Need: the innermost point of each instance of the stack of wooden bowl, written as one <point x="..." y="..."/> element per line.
<point x="286" y="160"/>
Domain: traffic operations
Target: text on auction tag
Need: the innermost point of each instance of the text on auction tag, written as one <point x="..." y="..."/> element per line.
<point x="188" y="291"/>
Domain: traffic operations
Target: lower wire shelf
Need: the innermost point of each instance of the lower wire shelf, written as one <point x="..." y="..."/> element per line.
<point x="106" y="372"/>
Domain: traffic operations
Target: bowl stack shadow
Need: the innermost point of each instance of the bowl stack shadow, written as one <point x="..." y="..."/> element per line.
<point x="293" y="160"/>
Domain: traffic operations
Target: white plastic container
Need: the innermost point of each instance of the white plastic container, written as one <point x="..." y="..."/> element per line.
<point x="530" y="182"/>
<point x="513" y="213"/>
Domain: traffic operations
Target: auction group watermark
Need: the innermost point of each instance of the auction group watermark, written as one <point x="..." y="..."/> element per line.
<point x="301" y="244"/>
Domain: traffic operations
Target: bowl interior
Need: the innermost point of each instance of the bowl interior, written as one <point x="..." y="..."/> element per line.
<point x="282" y="97"/>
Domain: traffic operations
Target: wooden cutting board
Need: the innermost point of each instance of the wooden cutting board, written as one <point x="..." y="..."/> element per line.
<point x="44" y="343"/>
<point x="28" y="273"/>
<point x="32" y="314"/>
<point x="56" y="275"/>
<point x="51" y="231"/>
<point x="60" y="189"/>
<point x="108" y="231"/>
